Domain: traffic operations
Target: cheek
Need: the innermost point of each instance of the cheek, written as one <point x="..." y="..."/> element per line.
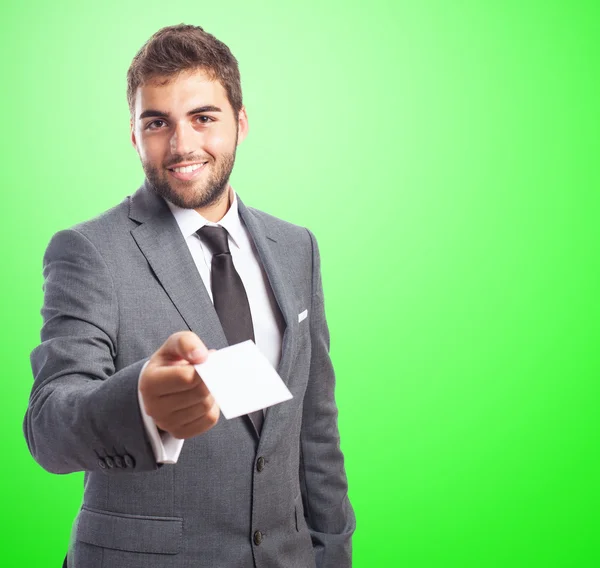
<point x="215" y="143"/>
<point x="220" y="140"/>
<point x="151" y="150"/>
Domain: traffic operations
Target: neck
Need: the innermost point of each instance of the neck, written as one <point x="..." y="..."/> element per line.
<point x="217" y="210"/>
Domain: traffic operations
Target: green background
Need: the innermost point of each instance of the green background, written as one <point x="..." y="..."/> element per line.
<point x="446" y="156"/>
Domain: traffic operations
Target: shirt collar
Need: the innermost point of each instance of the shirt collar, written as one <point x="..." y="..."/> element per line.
<point x="189" y="220"/>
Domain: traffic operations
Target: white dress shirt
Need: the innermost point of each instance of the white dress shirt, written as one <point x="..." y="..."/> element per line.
<point x="266" y="318"/>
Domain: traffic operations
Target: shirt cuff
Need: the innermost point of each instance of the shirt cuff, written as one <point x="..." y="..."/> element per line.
<point x="165" y="446"/>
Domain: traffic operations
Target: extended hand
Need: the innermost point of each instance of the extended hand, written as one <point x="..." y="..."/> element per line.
<point x="173" y="393"/>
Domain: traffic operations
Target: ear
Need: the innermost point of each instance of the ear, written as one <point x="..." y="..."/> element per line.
<point x="242" y="125"/>
<point x="132" y="134"/>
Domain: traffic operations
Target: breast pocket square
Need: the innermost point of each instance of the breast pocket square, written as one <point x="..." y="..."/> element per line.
<point x="302" y="315"/>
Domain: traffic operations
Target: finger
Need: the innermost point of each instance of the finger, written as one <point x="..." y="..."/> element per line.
<point x="182" y="345"/>
<point x="198" y="425"/>
<point x="159" y="381"/>
<point x="184" y="399"/>
<point x="186" y="414"/>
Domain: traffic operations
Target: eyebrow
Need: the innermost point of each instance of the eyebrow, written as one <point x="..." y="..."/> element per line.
<point x="161" y="114"/>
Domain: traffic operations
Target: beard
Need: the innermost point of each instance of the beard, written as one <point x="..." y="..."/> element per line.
<point x="194" y="194"/>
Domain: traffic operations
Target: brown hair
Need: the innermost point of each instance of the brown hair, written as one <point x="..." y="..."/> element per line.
<point x="184" y="48"/>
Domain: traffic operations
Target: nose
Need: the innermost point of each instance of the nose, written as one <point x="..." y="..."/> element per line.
<point x="182" y="139"/>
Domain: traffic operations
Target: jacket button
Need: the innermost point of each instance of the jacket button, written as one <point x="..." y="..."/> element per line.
<point x="260" y="464"/>
<point x="258" y="537"/>
<point x="119" y="461"/>
<point x="109" y="462"/>
<point x="129" y="461"/>
<point x="102" y="463"/>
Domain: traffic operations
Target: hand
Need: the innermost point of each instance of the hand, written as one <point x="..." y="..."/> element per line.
<point x="173" y="393"/>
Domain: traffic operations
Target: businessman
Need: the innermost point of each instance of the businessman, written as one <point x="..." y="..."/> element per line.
<point x="137" y="296"/>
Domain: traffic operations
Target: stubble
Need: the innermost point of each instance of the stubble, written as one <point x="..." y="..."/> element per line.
<point x="195" y="194"/>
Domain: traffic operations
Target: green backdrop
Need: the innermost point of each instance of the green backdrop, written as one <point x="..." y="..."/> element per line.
<point x="446" y="156"/>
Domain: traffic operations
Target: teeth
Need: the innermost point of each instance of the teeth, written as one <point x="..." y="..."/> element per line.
<point x="187" y="169"/>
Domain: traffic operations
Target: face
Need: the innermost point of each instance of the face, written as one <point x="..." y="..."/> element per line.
<point x="186" y="134"/>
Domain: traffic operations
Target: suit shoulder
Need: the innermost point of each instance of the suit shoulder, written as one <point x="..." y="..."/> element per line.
<point x="103" y="232"/>
<point x="112" y="220"/>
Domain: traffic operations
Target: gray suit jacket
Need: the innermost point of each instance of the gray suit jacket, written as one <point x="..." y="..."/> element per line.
<point x="115" y="288"/>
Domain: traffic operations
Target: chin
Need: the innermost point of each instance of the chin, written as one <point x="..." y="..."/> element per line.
<point x="200" y="199"/>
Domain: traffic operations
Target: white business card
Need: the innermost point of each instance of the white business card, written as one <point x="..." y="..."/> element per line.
<point x="242" y="380"/>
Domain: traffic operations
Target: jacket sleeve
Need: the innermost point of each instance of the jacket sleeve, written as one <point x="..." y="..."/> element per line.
<point x="83" y="415"/>
<point x="329" y="515"/>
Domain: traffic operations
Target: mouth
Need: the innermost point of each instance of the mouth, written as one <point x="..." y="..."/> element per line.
<point x="186" y="172"/>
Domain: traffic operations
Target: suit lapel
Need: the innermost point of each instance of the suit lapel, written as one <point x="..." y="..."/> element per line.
<point x="266" y="246"/>
<point x="166" y="251"/>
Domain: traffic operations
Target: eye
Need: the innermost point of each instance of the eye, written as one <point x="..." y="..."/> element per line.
<point x="155" y="124"/>
<point x="203" y="119"/>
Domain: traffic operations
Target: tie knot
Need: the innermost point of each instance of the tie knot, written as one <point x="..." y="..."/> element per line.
<point x="215" y="237"/>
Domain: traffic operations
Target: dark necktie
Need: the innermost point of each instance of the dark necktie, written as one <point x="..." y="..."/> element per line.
<point x="229" y="295"/>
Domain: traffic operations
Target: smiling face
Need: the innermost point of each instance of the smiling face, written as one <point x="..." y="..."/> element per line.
<point x="186" y="134"/>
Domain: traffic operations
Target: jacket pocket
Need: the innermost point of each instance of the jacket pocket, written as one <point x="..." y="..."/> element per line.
<point x="134" y="533"/>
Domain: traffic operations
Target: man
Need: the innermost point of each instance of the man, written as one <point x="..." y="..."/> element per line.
<point x="136" y="297"/>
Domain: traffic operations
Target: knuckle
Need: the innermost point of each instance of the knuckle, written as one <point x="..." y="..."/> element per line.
<point x="178" y="371"/>
<point x="158" y="414"/>
<point x="182" y="373"/>
<point x="205" y="405"/>
<point x="213" y="415"/>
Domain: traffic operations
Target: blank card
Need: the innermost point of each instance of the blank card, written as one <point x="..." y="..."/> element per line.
<point x="242" y="380"/>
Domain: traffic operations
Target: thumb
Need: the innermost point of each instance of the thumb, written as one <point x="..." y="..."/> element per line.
<point x="182" y="346"/>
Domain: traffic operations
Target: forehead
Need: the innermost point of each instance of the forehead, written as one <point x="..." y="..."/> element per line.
<point x="181" y="92"/>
